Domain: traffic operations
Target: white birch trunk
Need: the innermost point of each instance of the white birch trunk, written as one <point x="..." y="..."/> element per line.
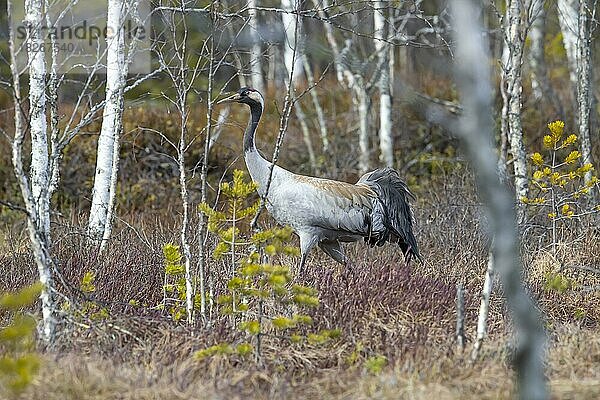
<point x="317" y="105"/>
<point x="292" y="54"/>
<point x="515" y="37"/>
<point x="37" y="223"/>
<point x="39" y="170"/>
<point x="256" y="67"/>
<point x="344" y="76"/>
<point x="386" y="142"/>
<point x="108" y="142"/>
<point x="536" y="53"/>
<point x="364" y="105"/>
<point x="567" y="18"/>
<point x="584" y="77"/>
<point x="306" y="136"/>
<point x="484" y="307"/>
<point x="187" y="254"/>
<point x="475" y="129"/>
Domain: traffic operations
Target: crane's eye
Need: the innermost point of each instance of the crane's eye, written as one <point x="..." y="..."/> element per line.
<point x="245" y="93"/>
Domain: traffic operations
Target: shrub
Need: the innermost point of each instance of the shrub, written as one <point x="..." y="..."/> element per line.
<point x="19" y="362"/>
<point x="261" y="298"/>
<point x="558" y="180"/>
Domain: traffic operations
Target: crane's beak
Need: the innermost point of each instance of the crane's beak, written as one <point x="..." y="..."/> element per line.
<point x="231" y="99"/>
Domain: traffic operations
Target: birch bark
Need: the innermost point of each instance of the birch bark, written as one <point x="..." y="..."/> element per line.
<point x="484" y="307"/>
<point x="584" y="77"/>
<point x="256" y="67"/>
<point x="292" y="54"/>
<point x="39" y="170"/>
<point x="108" y="142"/>
<point x="36" y="196"/>
<point x="567" y="18"/>
<point x="386" y="141"/>
<point x="536" y="53"/>
<point x="363" y="101"/>
<point x="515" y="38"/>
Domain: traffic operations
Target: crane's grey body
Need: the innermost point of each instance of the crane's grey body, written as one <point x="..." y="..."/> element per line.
<point x="326" y="212"/>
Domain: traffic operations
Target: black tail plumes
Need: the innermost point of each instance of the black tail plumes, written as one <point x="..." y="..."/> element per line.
<point x="391" y="218"/>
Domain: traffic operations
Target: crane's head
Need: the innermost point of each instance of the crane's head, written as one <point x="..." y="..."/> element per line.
<point x="245" y="95"/>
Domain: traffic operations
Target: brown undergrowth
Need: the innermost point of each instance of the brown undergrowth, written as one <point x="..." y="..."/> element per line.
<point x="397" y="321"/>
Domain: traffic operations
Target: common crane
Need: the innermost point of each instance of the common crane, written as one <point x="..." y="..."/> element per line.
<point x="325" y="212"/>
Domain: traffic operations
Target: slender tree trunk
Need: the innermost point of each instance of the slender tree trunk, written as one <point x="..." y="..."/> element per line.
<point x="317" y="105"/>
<point x="473" y="82"/>
<point x="292" y="53"/>
<point x="203" y="266"/>
<point x="187" y="254"/>
<point x="306" y="136"/>
<point x="256" y="67"/>
<point x="540" y="83"/>
<point x="484" y="307"/>
<point x="39" y="170"/>
<point x="584" y="78"/>
<point x="515" y="36"/>
<point x="386" y="140"/>
<point x="53" y="82"/>
<point x="344" y="76"/>
<point x="108" y="142"/>
<point x="36" y="196"/>
<point x="364" y="107"/>
<point x="567" y="18"/>
<point x="536" y="54"/>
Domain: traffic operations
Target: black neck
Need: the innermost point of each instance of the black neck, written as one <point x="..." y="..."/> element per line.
<point x="256" y="112"/>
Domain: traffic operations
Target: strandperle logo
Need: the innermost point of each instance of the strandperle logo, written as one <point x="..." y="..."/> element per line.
<point x="77" y="34"/>
<point x="91" y="33"/>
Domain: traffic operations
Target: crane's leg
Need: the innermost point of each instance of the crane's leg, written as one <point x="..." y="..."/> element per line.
<point x="307" y="242"/>
<point x="334" y="250"/>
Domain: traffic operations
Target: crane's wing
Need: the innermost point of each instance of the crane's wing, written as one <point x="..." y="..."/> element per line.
<point x="391" y="218"/>
<point x="336" y="206"/>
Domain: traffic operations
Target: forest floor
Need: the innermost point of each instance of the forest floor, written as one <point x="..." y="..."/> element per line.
<point x="397" y="322"/>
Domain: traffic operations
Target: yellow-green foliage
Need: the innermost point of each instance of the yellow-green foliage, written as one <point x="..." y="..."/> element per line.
<point x="374" y="365"/>
<point x="18" y="360"/>
<point x="259" y="282"/>
<point x="558" y="282"/>
<point x="175" y="277"/>
<point x="557" y="180"/>
<point x="229" y="225"/>
<point x="87" y="282"/>
<point x="88" y="310"/>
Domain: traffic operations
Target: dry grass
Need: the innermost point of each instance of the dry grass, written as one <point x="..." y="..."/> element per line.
<point x="405" y="313"/>
<point x="572" y="369"/>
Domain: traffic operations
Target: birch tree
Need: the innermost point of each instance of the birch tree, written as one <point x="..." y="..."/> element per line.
<point x="567" y="18"/>
<point x="292" y="28"/>
<point x="256" y="67"/>
<point x="475" y="129"/>
<point x="386" y="141"/>
<point x="586" y="23"/>
<point x="34" y="189"/>
<point x="540" y="84"/>
<point x="108" y="141"/>
<point x="577" y="22"/>
<point x="174" y="57"/>
<point x="515" y="29"/>
<point x="536" y="53"/>
<point x="39" y="171"/>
